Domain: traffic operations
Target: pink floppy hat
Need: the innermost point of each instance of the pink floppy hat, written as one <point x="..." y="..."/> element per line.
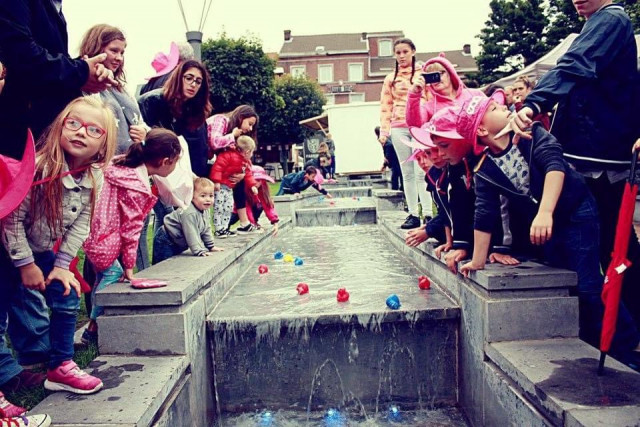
<point x="163" y="63"/>
<point x="471" y="115"/>
<point x="260" y="173"/>
<point x="16" y="177"/>
<point x="442" y="123"/>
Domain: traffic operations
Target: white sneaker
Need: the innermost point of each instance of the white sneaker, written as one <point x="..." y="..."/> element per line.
<point x="42" y="420"/>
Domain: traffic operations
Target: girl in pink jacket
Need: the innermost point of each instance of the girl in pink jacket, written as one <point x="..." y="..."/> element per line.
<point x="449" y="91"/>
<point x="125" y="201"/>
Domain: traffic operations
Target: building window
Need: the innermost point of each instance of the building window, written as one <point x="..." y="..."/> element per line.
<point x="356" y="97"/>
<point x="356" y="72"/>
<point x="325" y="73"/>
<point x="331" y="99"/>
<point x="385" y="48"/>
<point x="298" y="70"/>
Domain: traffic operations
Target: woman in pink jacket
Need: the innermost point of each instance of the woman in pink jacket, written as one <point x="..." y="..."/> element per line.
<point x="125" y="201"/>
<point x="450" y="90"/>
<point x="393" y="124"/>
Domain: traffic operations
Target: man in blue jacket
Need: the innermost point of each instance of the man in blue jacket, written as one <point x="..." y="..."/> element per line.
<point x="595" y="84"/>
<point x="41" y="78"/>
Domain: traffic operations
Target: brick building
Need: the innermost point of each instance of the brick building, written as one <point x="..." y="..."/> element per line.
<point x="351" y="67"/>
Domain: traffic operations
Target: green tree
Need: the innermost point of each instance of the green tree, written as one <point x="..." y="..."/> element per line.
<point x="301" y="98"/>
<point x="563" y="20"/>
<point x="241" y="73"/>
<point x="512" y="37"/>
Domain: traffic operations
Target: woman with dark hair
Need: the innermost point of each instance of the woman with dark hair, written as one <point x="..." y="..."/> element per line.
<point x="393" y="101"/>
<point x="182" y="105"/>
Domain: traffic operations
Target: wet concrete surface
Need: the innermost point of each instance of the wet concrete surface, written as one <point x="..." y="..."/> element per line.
<point x="359" y="259"/>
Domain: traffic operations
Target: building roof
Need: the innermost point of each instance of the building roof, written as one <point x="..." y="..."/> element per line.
<point x="333" y="43"/>
<point x="460" y="61"/>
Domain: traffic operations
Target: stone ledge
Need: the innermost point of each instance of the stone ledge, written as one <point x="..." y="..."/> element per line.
<point x="186" y="274"/>
<point x="386" y="193"/>
<point x="135" y="389"/>
<point x="559" y="377"/>
<point x="495" y="277"/>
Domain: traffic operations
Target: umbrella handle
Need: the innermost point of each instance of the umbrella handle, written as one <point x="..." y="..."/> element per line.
<point x="634" y="163"/>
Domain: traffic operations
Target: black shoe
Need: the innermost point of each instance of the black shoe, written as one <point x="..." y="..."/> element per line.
<point x="411" y="222"/>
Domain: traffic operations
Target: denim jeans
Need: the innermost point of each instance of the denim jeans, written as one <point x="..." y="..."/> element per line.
<point x="575" y="246"/>
<point x="104" y="278"/>
<point x="35" y="335"/>
<point x="164" y="247"/>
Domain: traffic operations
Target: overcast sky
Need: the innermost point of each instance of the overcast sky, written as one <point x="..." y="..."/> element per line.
<point x="151" y="25"/>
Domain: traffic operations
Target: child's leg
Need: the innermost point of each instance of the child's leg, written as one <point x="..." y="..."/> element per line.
<point x="64" y="313"/>
<point x="240" y="201"/>
<point x="9" y="367"/>
<point x="425" y="197"/>
<point x="142" y="256"/>
<point x="281" y="189"/>
<point x="163" y="246"/>
<point x="104" y="278"/>
<point x="222" y="207"/>
<point x="29" y="317"/>
<point x="234" y="218"/>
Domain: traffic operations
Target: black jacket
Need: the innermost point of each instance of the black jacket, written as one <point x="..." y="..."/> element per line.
<point x="462" y="201"/>
<point x="595" y="84"/>
<point x="543" y="154"/>
<point x="41" y="77"/>
<point x="157" y="113"/>
<point x="437" y="184"/>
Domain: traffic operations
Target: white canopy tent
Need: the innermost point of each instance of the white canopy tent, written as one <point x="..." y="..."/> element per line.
<point x="538" y="68"/>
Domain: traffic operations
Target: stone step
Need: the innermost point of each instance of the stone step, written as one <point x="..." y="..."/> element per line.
<point x="558" y="377"/>
<point x="350" y="192"/>
<point x="338" y="211"/>
<point x="135" y="391"/>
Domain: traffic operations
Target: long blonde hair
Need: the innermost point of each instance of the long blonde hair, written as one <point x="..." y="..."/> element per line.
<point x="46" y="198"/>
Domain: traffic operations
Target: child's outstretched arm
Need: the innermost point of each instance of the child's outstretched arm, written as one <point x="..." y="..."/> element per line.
<point x="542" y="225"/>
<point x="481" y="243"/>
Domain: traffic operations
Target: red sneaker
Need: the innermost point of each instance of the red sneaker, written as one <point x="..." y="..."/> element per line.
<point x="30" y="421"/>
<point x="8" y="409"/>
<point x="68" y="377"/>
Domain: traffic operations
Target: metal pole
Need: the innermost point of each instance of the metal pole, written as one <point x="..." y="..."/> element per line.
<point x="195" y="40"/>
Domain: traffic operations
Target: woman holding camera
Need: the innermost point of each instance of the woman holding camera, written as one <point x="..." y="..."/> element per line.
<point x="393" y="125"/>
<point x="445" y="88"/>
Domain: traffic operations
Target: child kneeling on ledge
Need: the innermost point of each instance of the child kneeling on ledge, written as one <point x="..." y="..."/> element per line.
<point x="188" y="228"/>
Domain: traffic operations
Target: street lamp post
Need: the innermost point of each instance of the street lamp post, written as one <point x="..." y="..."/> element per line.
<point x="194" y="37"/>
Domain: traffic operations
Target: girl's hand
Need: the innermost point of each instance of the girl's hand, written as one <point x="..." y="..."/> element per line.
<point x="418" y="85"/>
<point x="236" y="178"/>
<point x="275" y="229"/>
<point x="383" y="139"/>
<point x="415" y="237"/>
<point x="442" y="248"/>
<point x="137" y="133"/>
<point x="329" y="196"/>
<point x="465" y="269"/>
<point x="254" y="190"/>
<point x="453" y="258"/>
<point x="215" y="249"/>
<point x="216" y="186"/>
<point x="236" y="132"/>
<point x="32" y="277"/>
<point x="67" y="279"/>
<point x="541" y="228"/>
<point x="503" y="259"/>
<point x="128" y="275"/>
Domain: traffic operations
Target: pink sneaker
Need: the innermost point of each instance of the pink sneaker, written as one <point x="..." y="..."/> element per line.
<point x="30" y="421"/>
<point x="68" y="377"/>
<point x="8" y="409"/>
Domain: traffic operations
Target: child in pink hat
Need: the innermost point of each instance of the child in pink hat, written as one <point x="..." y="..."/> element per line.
<point x="441" y="132"/>
<point x="548" y="200"/>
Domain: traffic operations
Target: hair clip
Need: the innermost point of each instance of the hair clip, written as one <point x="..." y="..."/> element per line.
<point x="143" y="142"/>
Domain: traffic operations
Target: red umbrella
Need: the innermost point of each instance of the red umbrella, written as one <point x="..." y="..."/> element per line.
<point x="619" y="263"/>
